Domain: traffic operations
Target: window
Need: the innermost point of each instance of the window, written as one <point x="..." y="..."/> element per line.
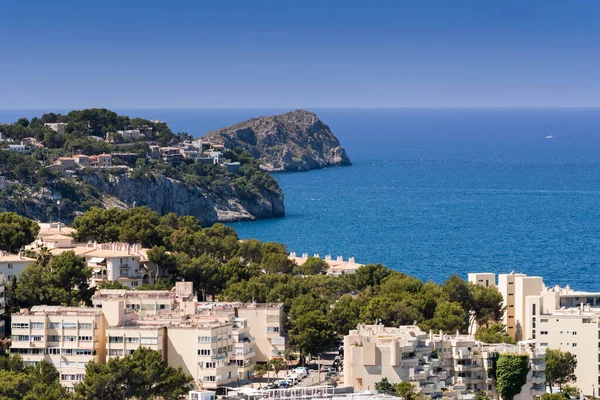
<point x="574" y="333"/>
<point x="533" y="309"/>
<point x="204" y="352"/>
<point x="204" y="339"/>
<point x="544" y="320"/>
<point x="37" y="325"/>
<point x="132" y="340"/>
<point x="70" y="338"/>
<point x="86" y="325"/>
<point x="543" y="332"/>
<point x="115" y="352"/>
<point x="53" y="338"/>
<point x="67" y="352"/>
<point x="22" y="338"/>
<point x="54" y="325"/>
<point x="69" y="325"/>
<point x="209" y="378"/>
<point x="115" y="339"/>
<point x="210" y="365"/>
<point x="85" y="338"/>
<point x="574" y="345"/>
<point x="83" y="352"/>
<point x="37" y="338"/>
<point x="146" y="340"/>
<point x="53" y="351"/>
<point x="272" y="329"/>
<point x="10" y="266"/>
<point x="544" y="344"/>
<point x="20" y="325"/>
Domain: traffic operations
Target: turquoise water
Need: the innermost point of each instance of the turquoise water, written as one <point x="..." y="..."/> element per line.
<point x="437" y="192"/>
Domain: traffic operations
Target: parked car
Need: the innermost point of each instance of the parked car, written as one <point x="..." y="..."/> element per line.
<point x="284" y="384"/>
<point x="302" y="371"/>
<point x="332" y="370"/>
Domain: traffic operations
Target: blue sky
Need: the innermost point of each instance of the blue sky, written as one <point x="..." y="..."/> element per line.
<point x="326" y="53"/>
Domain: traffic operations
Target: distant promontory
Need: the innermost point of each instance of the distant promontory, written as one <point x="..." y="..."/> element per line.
<point x="294" y="141"/>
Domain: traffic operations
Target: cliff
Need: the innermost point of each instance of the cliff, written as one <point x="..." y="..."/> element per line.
<point x="294" y="141"/>
<point x="220" y="203"/>
<point x="223" y="200"/>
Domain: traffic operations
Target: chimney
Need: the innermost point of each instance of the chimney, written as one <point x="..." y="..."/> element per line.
<point x="128" y="249"/>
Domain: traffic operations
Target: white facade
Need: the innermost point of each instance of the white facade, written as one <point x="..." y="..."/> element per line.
<point x="12" y="265"/>
<point x="2" y="309"/>
<point x="67" y="337"/>
<point x="556" y="318"/>
<point x="437" y="364"/>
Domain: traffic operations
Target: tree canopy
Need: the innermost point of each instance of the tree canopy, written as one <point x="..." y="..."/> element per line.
<point x="16" y="231"/>
<point x="141" y="375"/>
<point x="496" y="333"/>
<point x="511" y="374"/>
<point x="20" y="382"/>
<point x="560" y="368"/>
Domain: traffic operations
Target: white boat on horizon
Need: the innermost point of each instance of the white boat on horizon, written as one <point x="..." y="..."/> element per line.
<point x="549" y="137"/>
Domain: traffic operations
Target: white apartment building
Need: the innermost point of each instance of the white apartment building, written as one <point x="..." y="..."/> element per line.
<point x="58" y="127"/>
<point x="12" y="265"/>
<point x="2" y="309"/>
<point x="556" y="318"/>
<point x="68" y="337"/>
<point x="110" y="262"/>
<point x="437" y="364"/>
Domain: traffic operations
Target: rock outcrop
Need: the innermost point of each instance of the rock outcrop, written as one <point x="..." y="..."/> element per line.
<point x="165" y="195"/>
<point x="294" y="141"/>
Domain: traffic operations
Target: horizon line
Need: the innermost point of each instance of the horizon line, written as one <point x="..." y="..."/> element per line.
<point x="300" y="108"/>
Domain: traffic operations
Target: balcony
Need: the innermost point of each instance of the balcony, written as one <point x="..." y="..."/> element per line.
<point x="538" y="367"/>
<point x="538" y="377"/>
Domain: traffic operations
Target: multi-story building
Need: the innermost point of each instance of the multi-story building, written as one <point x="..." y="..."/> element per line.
<point x="58" y="127"/>
<point x="266" y="322"/>
<point x="436" y="364"/>
<point x="148" y="302"/>
<point x="110" y="262"/>
<point x="68" y="337"/>
<point x="12" y="265"/>
<point x="2" y="309"/>
<point x="556" y="318"/>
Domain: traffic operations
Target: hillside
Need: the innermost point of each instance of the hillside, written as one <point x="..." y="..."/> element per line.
<point x="294" y="141"/>
<point x="97" y="158"/>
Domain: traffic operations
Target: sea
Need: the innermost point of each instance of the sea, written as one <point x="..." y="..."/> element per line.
<point x="436" y="192"/>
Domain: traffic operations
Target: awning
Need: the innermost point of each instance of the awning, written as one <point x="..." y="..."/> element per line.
<point x="97" y="260"/>
<point x="99" y="269"/>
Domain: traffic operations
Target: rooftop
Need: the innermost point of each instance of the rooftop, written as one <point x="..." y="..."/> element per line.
<point x="9" y="257"/>
<point x="60" y="310"/>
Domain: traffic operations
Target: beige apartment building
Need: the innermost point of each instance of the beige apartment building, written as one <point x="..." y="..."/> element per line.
<point x="437" y="364"/>
<point x="556" y="318"/>
<point x="266" y="324"/>
<point x="68" y="337"/>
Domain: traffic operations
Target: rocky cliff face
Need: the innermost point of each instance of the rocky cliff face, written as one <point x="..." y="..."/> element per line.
<point x="165" y="195"/>
<point x="295" y="141"/>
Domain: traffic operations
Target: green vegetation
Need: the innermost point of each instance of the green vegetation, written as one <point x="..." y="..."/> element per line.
<point x="511" y="374"/>
<point x="406" y="390"/>
<point x="495" y="333"/>
<point x="20" y="382"/>
<point x="141" y="375"/>
<point x="16" y="231"/>
<point x="64" y="281"/>
<point x="84" y="133"/>
<point x="319" y="307"/>
<point x="560" y="368"/>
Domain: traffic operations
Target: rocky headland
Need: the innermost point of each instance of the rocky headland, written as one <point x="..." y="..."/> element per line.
<point x="294" y="141"/>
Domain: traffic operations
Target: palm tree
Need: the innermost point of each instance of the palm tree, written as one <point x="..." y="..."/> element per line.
<point x="43" y="256"/>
